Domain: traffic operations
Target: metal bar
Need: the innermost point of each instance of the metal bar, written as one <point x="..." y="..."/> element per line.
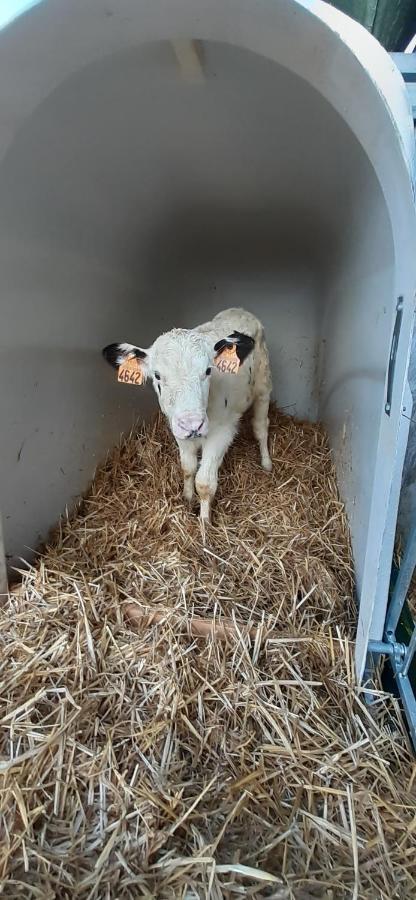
<point x="401" y="587"/>
<point x="405" y="62"/>
<point x="408" y="700"/>
<point x="409" y="653"/>
<point x="381" y="648"/>
<point x="411" y="90"/>
<point x="393" y="354"/>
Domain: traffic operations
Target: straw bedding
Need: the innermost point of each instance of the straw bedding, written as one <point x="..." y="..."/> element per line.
<point x="142" y="760"/>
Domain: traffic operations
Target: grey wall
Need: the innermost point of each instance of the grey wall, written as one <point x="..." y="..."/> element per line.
<point x="131" y="201"/>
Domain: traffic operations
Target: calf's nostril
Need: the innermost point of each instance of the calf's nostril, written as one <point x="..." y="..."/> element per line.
<point x="191" y="425"/>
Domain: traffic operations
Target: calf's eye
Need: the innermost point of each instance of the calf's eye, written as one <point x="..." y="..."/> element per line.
<point x="157" y="376"/>
<point x="208" y="372"/>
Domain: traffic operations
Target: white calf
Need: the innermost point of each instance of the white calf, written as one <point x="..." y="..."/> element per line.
<point x="205" y="379"/>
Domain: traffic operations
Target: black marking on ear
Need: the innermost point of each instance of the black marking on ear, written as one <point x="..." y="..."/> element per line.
<point x="244" y="344"/>
<point x="111" y="353"/>
<point x="115" y="353"/>
<point x="220" y="346"/>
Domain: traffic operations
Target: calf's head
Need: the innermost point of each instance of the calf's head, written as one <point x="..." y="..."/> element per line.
<point x="180" y="364"/>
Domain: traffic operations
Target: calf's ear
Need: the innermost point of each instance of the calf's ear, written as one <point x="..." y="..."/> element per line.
<point x="231" y="352"/>
<point x="130" y="361"/>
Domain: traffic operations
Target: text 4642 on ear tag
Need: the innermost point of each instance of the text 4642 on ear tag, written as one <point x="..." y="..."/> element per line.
<point x="227" y="361"/>
<point x="130" y="372"/>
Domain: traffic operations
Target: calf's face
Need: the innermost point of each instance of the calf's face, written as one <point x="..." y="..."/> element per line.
<point x="180" y="364"/>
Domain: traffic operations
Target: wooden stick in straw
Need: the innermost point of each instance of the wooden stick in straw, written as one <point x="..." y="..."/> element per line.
<point x="197" y="626"/>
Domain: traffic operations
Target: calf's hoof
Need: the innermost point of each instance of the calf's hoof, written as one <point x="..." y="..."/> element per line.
<point x="267" y="465"/>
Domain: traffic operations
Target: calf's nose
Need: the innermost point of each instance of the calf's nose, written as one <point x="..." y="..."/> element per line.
<point x="191" y="424"/>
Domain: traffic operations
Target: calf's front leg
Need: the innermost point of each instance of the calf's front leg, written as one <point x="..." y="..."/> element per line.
<point x="214" y="449"/>
<point x="188" y="452"/>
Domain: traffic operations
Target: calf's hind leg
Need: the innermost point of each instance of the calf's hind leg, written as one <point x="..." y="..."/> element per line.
<point x="261" y="428"/>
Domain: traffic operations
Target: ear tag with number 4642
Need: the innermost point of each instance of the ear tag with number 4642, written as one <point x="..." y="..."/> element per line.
<point x="227" y="360"/>
<point x="130" y="371"/>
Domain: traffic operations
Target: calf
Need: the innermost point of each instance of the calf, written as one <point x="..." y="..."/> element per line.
<point x="205" y="379"/>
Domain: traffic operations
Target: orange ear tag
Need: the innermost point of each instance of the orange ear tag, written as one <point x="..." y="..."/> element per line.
<point x="130" y="371"/>
<point x="227" y="360"/>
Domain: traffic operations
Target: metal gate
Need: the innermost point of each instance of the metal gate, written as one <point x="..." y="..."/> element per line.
<point x="399" y="639"/>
